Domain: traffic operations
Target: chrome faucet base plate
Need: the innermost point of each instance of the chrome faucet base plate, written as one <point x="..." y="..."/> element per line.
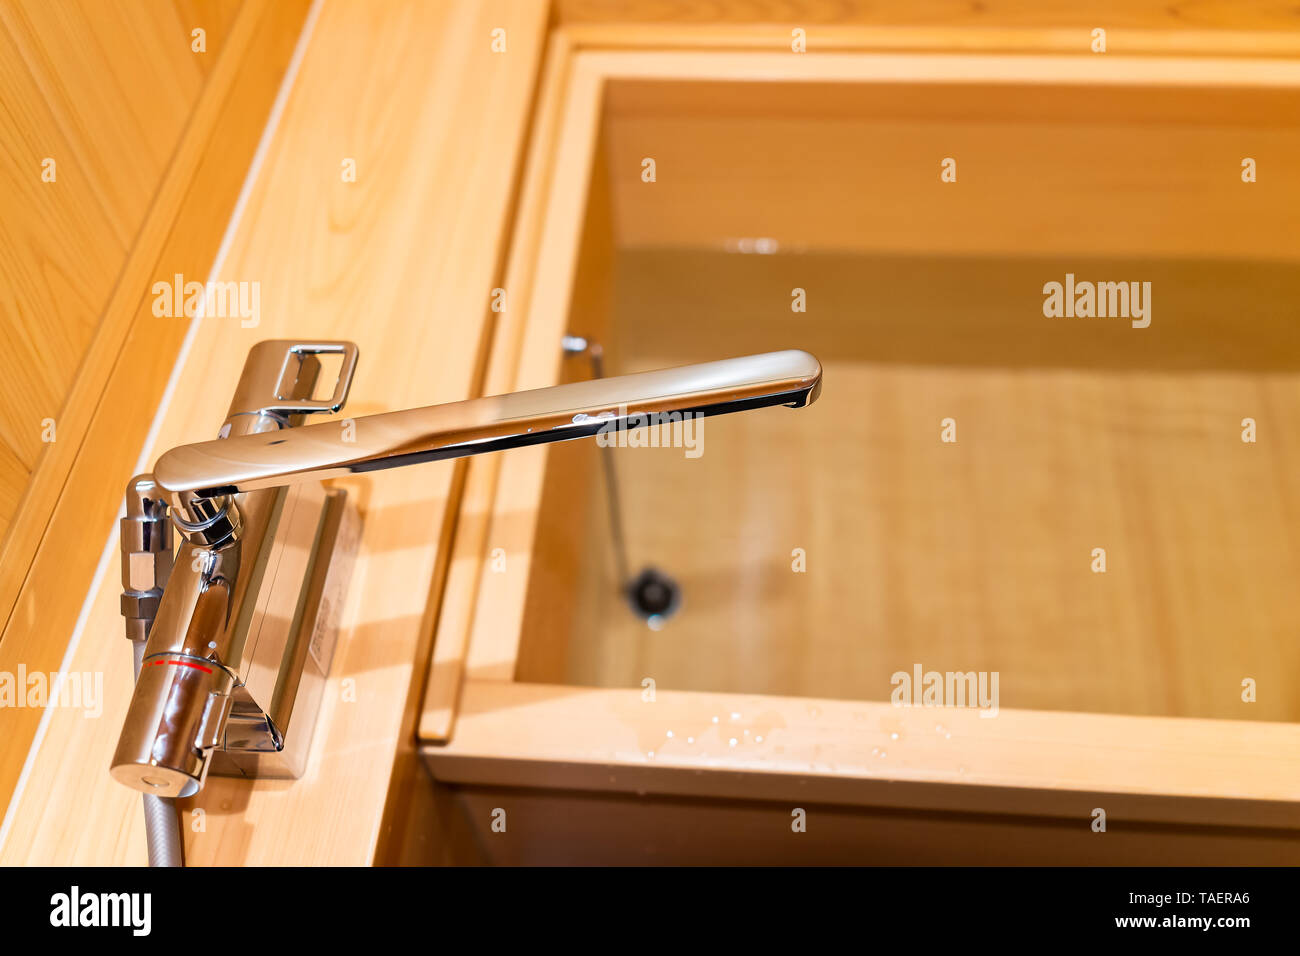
<point x="274" y="712"/>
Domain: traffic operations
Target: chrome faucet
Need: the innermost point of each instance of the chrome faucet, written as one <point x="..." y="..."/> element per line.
<point x="240" y="629"/>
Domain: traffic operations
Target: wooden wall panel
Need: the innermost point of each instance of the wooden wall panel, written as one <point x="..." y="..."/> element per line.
<point x="1255" y="28"/>
<point x="49" y="559"/>
<point x="402" y="261"/>
<point x="1145" y="14"/>
<point x="105" y="90"/>
<point x="581" y="828"/>
<point x="1040" y="168"/>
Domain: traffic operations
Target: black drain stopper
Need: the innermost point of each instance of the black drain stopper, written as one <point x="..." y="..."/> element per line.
<point x="653" y="595"/>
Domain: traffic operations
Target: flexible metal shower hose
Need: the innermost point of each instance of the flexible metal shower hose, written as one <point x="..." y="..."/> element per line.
<point x="162" y="828"/>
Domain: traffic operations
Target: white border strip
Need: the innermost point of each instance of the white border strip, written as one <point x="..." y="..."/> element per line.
<point x="218" y="263"/>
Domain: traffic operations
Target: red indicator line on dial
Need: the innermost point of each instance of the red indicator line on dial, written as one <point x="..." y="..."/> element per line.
<point x="197" y="667"/>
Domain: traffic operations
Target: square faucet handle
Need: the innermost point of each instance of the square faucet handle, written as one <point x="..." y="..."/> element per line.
<point x="295" y="378"/>
<point x="281" y="375"/>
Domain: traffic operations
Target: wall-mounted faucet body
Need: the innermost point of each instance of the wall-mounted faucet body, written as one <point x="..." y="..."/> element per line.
<point x="239" y="644"/>
<point x="241" y="633"/>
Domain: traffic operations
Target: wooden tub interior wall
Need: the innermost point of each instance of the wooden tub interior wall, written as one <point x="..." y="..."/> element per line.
<point x="924" y="301"/>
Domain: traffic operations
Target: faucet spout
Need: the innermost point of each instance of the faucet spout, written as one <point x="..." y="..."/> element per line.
<point x="560" y="413"/>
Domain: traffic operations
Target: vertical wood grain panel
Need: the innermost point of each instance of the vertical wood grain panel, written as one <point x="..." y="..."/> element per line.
<point x="48" y="558"/>
<point x="105" y="90"/>
<point x="403" y="261"/>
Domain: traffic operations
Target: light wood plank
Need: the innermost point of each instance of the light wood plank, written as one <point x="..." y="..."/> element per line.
<point x="455" y="617"/>
<point x="1038" y="165"/>
<point x="104" y="90"/>
<point x="402" y="262"/>
<point x="953" y="16"/>
<point x="49" y="557"/>
<point x="1034" y="763"/>
<point x="584" y="828"/>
